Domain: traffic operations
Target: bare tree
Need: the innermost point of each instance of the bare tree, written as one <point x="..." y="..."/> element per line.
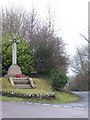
<point x="11" y="21"/>
<point x="85" y="38"/>
<point x="80" y="61"/>
<point x="79" y="65"/>
<point x="29" y="26"/>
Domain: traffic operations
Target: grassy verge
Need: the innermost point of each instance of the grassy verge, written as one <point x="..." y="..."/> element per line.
<point x="42" y="86"/>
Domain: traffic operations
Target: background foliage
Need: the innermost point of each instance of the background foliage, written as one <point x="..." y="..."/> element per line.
<point x="48" y="50"/>
<point x="24" y="54"/>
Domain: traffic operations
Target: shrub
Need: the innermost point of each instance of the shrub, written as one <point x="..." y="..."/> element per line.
<point x="24" y="54"/>
<point x="58" y="79"/>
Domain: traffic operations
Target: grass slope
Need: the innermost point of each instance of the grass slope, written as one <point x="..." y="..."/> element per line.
<point x="42" y="86"/>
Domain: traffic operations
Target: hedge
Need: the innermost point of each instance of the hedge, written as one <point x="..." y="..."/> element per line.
<point x="30" y="95"/>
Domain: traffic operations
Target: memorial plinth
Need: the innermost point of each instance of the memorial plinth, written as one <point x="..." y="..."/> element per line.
<point x="14" y="70"/>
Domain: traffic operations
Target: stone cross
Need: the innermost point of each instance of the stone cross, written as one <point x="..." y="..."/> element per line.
<point x="14" y="69"/>
<point x="14" y="52"/>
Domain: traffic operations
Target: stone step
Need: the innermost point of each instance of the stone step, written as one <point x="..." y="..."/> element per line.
<point x="21" y="82"/>
<point x="20" y="78"/>
<point x="23" y="86"/>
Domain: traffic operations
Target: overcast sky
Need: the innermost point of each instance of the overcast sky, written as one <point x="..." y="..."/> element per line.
<point x="71" y="18"/>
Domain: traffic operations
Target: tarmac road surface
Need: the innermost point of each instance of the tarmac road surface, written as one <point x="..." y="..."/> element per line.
<point x="22" y="110"/>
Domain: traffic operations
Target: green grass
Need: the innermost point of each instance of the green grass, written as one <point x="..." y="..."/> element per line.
<point x="42" y="86"/>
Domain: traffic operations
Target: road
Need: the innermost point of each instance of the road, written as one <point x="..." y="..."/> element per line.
<point x="33" y="110"/>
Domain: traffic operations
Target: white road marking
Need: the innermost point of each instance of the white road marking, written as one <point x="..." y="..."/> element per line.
<point x="52" y="105"/>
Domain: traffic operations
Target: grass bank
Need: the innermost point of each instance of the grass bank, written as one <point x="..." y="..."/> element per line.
<point x="42" y="86"/>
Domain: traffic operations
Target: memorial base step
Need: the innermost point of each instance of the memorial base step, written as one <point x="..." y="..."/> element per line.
<point x="22" y="86"/>
<point x="22" y="82"/>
